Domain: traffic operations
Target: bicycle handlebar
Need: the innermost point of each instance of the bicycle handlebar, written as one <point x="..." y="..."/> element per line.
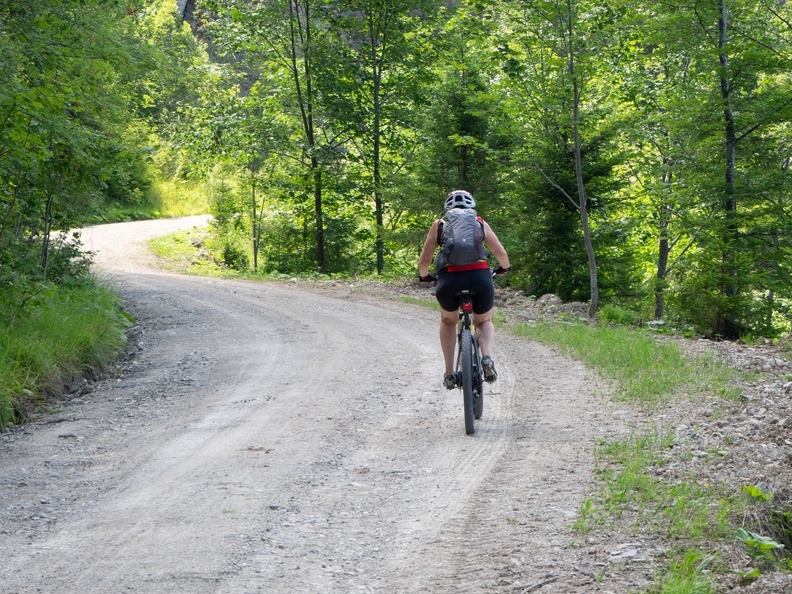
<point x="431" y="278"/>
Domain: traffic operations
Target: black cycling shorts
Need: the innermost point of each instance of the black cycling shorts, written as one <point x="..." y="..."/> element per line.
<point x="477" y="281"/>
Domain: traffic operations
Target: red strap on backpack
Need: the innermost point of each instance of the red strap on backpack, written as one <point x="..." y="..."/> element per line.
<point x="477" y="266"/>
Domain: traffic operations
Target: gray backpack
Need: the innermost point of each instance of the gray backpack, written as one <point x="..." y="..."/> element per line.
<point x="461" y="237"/>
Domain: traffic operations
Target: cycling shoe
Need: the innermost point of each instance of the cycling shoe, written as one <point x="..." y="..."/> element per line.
<point x="490" y="375"/>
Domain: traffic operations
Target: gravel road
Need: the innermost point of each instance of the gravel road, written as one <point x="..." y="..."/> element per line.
<point x="277" y="438"/>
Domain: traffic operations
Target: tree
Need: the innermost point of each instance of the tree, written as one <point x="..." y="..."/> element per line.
<point x="277" y="42"/>
<point x="381" y="52"/>
<point x="463" y="142"/>
<point x="548" y="51"/>
<point x="64" y="128"/>
<point x="704" y="153"/>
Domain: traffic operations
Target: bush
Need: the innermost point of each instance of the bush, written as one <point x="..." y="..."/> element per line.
<point x="235" y="257"/>
<point x="56" y="323"/>
<point x="618" y="315"/>
<point x="51" y="335"/>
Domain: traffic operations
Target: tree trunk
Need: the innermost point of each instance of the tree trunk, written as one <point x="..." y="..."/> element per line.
<point x="378" y="206"/>
<point x="662" y="264"/>
<point x="14" y="198"/>
<point x="320" y="247"/>
<point x="663" y="251"/>
<point x="582" y="199"/>
<point x="256" y="232"/>
<point x="725" y="324"/>
<point x="45" y="244"/>
<point x="306" y="111"/>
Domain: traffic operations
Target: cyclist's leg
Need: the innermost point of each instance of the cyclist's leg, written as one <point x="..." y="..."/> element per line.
<point x="448" y="330"/>
<point x="483" y="308"/>
<point x="446" y="294"/>
<point x="485" y="331"/>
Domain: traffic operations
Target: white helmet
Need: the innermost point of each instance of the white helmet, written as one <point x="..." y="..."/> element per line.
<point x="459" y="199"/>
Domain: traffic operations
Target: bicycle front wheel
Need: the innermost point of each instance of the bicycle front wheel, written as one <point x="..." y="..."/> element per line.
<point x="466" y="365"/>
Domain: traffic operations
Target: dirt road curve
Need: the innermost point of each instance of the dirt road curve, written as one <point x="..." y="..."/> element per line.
<point x="269" y="438"/>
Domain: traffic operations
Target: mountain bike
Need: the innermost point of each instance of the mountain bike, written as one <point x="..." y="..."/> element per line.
<point x="468" y="365"/>
<point x="469" y="371"/>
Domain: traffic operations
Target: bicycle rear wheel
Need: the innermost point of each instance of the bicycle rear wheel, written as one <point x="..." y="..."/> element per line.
<point x="478" y="382"/>
<point x="466" y="365"/>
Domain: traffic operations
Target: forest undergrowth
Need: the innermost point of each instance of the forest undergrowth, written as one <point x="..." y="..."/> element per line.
<point x="53" y="338"/>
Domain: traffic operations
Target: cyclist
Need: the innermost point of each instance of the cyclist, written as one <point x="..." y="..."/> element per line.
<point x="452" y="279"/>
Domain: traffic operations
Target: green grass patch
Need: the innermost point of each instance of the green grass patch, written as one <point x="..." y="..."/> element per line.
<point x="634" y="493"/>
<point x="182" y="198"/>
<point x="644" y="369"/>
<point x="166" y="198"/>
<point x="682" y="508"/>
<point x="187" y="251"/>
<point x="687" y="575"/>
<point x="425" y="301"/>
<point x="190" y="252"/>
<point x="52" y="337"/>
<point x="639" y="491"/>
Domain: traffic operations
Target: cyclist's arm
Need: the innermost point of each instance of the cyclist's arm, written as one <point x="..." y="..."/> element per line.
<point x="430" y="245"/>
<point x="495" y="247"/>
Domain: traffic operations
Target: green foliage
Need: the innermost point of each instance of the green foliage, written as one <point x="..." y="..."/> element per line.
<point x="756" y="493"/>
<point x="687" y="576"/>
<point x="633" y="486"/>
<point x="81" y="117"/>
<point x="647" y="370"/>
<point x="62" y="106"/>
<point x="353" y="139"/>
<point x="229" y="226"/>
<point x="463" y="143"/>
<point x="618" y="315"/>
<point x="767" y="529"/>
<point x="337" y="152"/>
<point x="52" y="335"/>
<point x="551" y="253"/>
<point x="686" y="510"/>
<point x="722" y="238"/>
<point x="757" y="544"/>
<point x="179" y="198"/>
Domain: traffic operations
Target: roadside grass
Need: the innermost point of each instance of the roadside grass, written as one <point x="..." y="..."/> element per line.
<point x="189" y="252"/>
<point x="634" y="492"/>
<point x="644" y="370"/>
<point x="430" y="302"/>
<point x="688" y="576"/>
<point x="182" y="198"/>
<point x="184" y="251"/>
<point x="52" y="338"/>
